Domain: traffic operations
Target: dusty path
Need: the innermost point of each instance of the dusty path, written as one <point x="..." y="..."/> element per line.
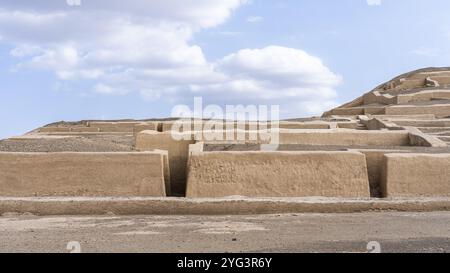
<point x="396" y="232"/>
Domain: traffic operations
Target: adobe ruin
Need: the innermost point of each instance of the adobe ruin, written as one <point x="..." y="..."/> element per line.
<point x="391" y="143"/>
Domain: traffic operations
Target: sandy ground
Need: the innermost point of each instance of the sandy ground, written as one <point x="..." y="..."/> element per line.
<point x="395" y="232"/>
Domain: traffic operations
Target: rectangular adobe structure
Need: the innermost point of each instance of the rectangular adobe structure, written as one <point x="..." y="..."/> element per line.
<point x="413" y="175"/>
<point x="82" y="174"/>
<point x="277" y="174"/>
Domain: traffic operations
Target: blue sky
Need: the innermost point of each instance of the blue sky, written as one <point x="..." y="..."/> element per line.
<point x="104" y="60"/>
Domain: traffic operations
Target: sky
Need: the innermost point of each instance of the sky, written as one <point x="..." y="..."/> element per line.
<point x="103" y="59"/>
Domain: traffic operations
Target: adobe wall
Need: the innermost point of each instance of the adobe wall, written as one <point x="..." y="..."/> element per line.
<point x="84" y="130"/>
<point x="386" y="99"/>
<point x="356" y="111"/>
<point x="333" y="137"/>
<point x="374" y="110"/>
<point x="418" y="138"/>
<point x="196" y="148"/>
<point x="345" y="137"/>
<point x="248" y="126"/>
<point x="178" y="150"/>
<point x="440" y="110"/>
<point x="82" y="174"/>
<point x="145" y="126"/>
<point x="348" y="111"/>
<point x="379" y="124"/>
<point x="347" y="125"/>
<point x="424" y="96"/>
<point x="68" y="130"/>
<point x="105" y="126"/>
<point x="84" y="134"/>
<point x="423" y="123"/>
<point x="405" y="117"/>
<point x="178" y="154"/>
<point x="54" y="129"/>
<point x="414" y="175"/>
<point x="434" y="130"/>
<point x="277" y="174"/>
<point x="377" y="98"/>
<point x="303" y="125"/>
<point x="415" y="79"/>
<point x="213" y="206"/>
<point x="40" y="136"/>
<point x="374" y="161"/>
<point x="166" y="165"/>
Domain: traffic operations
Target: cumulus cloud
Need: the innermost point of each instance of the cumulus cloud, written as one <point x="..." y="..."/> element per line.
<point x="197" y="13"/>
<point x="147" y="47"/>
<point x="277" y="75"/>
<point x="280" y="66"/>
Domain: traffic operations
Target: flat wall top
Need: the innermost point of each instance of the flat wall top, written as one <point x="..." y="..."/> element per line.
<point x="412" y="155"/>
<point x="281" y="152"/>
<point x="156" y="152"/>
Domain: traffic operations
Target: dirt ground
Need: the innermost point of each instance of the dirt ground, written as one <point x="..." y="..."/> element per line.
<point x="393" y="231"/>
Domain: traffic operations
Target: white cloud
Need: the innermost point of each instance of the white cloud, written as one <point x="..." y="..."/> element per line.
<point x="25" y="50"/>
<point x="425" y="52"/>
<point x="276" y="75"/>
<point x="146" y="47"/>
<point x="280" y="65"/>
<point x="255" y="19"/>
<point x="109" y="90"/>
<point x="373" y="2"/>
<point x="230" y="33"/>
<point x="198" y="13"/>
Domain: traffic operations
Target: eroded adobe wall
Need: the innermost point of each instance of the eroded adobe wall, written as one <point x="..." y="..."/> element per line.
<point x="145" y="126"/>
<point x="345" y="138"/>
<point x="439" y="110"/>
<point x="333" y="137"/>
<point x="102" y="127"/>
<point x="423" y="96"/>
<point x="55" y="130"/>
<point x="113" y="126"/>
<point x="188" y="126"/>
<point x="414" y="175"/>
<point x="277" y="174"/>
<point x="82" y="174"/>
